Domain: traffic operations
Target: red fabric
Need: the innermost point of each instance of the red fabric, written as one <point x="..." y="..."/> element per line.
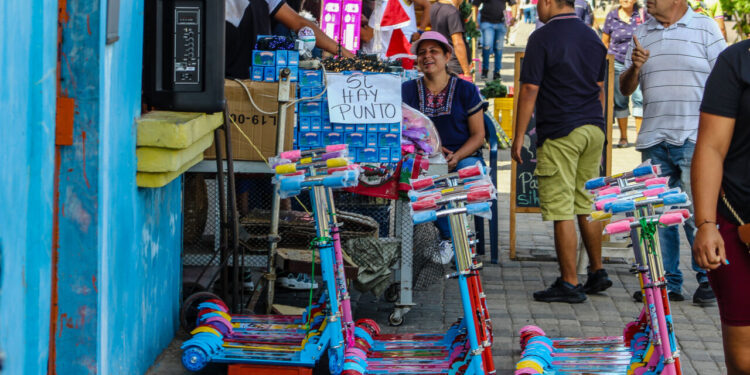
<point x="730" y="282"/>
<point x="398" y="47"/>
<point x="394" y="15"/>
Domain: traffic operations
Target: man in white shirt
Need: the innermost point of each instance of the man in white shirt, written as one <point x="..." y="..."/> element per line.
<point x="671" y="56"/>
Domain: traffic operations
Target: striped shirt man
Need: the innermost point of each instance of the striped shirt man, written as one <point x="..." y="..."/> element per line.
<point x="672" y="79"/>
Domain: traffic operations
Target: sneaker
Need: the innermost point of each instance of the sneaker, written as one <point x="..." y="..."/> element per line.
<point x="484" y="74"/>
<point x="673" y="296"/>
<point x="444" y="253"/>
<point x="561" y="291"/>
<point x="300" y="282"/>
<point x="496" y="74"/>
<point x="704" y="295"/>
<point x="597" y="282"/>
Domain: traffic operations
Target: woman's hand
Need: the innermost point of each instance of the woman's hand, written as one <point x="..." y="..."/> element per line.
<point x="708" y="247"/>
<point x="450" y="158"/>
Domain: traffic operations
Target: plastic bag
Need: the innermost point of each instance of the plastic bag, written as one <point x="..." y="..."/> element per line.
<point x="419" y="132"/>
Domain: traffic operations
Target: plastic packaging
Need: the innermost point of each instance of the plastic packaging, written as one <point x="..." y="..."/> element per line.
<point x="418" y="130"/>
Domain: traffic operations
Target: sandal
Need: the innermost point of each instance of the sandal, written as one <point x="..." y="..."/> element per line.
<point x="623" y="143"/>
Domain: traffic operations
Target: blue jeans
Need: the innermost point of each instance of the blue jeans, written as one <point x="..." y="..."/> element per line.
<point x="622" y="103"/>
<point x="527" y="15"/>
<point x="442" y="223"/>
<point x="675" y="162"/>
<point x="493" y="36"/>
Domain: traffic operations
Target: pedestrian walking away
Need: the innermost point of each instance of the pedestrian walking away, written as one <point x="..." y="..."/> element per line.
<point x="563" y="76"/>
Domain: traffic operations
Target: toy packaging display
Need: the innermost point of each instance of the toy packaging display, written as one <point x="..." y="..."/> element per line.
<point x="368" y="143"/>
<point x="289" y="340"/>
<point x="340" y="20"/>
<point x="466" y="347"/>
<point x="648" y="344"/>
<point x="271" y="54"/>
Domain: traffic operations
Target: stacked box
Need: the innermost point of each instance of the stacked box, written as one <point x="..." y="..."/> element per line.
<point x="373" y="143"/>
<point x="314" y="129"/>
<point x="267" y="65"/>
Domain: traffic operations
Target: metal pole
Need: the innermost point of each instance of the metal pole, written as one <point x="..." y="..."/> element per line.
<point x="273" y="236"/>
<point x="233" y="226"/>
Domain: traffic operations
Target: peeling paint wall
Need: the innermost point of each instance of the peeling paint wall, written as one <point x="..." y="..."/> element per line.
<point x="140" y="229"/>
<point x="27" y="100"/>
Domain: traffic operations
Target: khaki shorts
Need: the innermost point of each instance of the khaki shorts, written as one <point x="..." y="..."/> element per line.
<point x="563" y="167"/>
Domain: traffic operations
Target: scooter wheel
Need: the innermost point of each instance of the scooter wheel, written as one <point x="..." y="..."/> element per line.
<point x="189" y="309"/>
<point x="368" y="325"/>
<point x="194" y="358"/>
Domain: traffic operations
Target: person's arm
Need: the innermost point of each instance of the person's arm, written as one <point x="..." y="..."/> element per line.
<point x="605" y="39"/>
<point x="629" y="78"/>
<point x="459" y="48"/>
<point x="289" y="18"/>
<point x="424" y="23"/>
<point x="475" y="141"/>
<point x="526" y="101"/>
<point x="714" y="136"/>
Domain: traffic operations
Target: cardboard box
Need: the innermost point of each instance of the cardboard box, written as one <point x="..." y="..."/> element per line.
<point x="260" y="128"/>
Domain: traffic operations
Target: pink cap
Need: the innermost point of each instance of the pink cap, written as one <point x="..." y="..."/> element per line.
<point x="431" y="35"/>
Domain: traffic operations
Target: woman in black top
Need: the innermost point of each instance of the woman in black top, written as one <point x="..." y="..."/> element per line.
<point x="721" y="191"/>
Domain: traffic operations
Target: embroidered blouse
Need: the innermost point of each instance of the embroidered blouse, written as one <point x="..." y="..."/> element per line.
<point x="449" y="110"/>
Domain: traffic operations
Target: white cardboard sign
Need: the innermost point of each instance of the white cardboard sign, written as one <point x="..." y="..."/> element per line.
<point x="364" y="98"/>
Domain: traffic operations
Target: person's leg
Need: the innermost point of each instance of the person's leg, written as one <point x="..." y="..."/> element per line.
<point x="669" y="238"/>
<point x="736" y="349"/>
<point x="488" y="35"/>
<point x="591" y="233"/>
<point x="500" y="31"/>
<point x="566" y="243"/>
<point x="557" y="162"/>
<point x="621" y="106"/>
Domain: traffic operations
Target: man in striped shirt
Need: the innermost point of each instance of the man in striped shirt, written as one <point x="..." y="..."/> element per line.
<point x="671" y="56"/>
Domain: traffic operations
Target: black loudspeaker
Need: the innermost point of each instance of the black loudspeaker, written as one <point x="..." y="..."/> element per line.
<point x="183" y="55"/>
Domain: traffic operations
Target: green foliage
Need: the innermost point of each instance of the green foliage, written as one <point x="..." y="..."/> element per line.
<point x="494" y="89"/>
<point x="472" y="31"/>
<point x="740" y="11"/>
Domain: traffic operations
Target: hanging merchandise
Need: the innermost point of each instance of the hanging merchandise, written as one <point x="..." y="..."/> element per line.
<point x="340" y="20"/>
<point x="648" y="344"/>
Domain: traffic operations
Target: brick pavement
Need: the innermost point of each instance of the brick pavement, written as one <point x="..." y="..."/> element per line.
<point x="509" y="287"/>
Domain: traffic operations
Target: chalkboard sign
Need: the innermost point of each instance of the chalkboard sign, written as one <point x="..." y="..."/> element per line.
<point x="524" y="194"/>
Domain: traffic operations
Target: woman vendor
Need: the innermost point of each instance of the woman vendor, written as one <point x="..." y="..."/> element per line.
<point x="453" y="105"/>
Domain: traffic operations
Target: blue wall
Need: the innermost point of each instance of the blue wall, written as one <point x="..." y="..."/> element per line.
<point x="141" y="229"/>
<point x="28" y="38"/>
<point x="119" y="246"/>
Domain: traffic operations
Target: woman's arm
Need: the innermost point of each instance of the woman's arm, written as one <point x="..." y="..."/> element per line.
<point x="287" y="16"/>
<point x="714" y="136"/>
<point x="475" y="141"/>
<point x="605" y="39"/>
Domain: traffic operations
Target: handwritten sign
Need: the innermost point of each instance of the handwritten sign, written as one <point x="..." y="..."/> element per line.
<point x="364" y="98"/>
<point x="527" y="185"/>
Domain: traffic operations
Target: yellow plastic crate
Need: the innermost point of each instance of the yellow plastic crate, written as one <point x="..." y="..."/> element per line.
<point x="504" y="114"/>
